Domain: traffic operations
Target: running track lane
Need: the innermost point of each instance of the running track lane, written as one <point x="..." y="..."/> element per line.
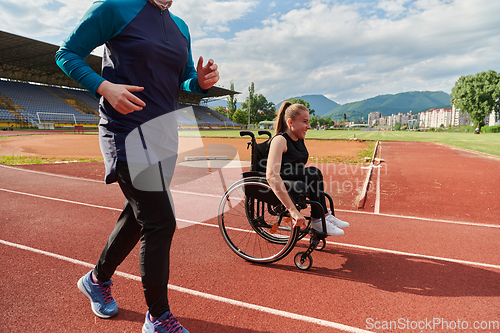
<point x="439" y="182"/>
<point x="357" y="282"/>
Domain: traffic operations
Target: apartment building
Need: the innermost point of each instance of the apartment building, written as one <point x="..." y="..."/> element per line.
<point x="390" y="121"/>
<point x="492" y="121"/>
<point x="437" y="117"/>
<point x="373" y="118"/>
<point x="459" y="119"/>
<point x="427" y="119"/>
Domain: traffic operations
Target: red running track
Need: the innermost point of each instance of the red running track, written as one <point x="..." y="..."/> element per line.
<point x="405" y="266"/>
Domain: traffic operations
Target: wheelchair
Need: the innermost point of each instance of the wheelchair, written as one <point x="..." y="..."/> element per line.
<point x="256" y="225"/>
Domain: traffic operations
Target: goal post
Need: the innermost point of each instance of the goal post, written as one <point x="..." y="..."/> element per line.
<point x="54" y="117"/>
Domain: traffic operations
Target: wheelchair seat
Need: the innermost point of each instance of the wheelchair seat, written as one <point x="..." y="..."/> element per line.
<point x="296" y="189"/>
<point x="260" y="151"/>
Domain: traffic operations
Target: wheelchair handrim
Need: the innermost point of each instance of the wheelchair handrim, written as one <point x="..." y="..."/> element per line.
<point x="285" y="250"/>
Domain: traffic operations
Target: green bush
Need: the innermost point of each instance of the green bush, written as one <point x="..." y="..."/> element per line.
<point x="491" y="129"/>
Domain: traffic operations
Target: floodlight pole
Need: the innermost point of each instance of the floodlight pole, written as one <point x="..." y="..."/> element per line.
<point x="249" y="104"/>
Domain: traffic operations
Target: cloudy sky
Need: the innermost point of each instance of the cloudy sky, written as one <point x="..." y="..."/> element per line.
<point x="347" y="50"/>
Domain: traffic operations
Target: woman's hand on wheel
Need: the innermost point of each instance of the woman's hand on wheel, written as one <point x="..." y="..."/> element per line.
<point x="298" y="220"/>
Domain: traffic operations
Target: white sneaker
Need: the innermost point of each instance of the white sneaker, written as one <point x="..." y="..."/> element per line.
<point x="336" y="222"/>
<point x="331" y="229"/>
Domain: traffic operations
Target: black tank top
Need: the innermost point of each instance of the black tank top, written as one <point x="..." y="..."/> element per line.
<point x="296" y="154"/>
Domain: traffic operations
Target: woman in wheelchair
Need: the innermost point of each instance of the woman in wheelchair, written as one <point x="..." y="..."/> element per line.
<point x="287" y="158"/>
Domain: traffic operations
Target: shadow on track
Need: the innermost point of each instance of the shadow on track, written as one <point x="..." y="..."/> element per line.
<point x="195" y="325"/>
<point x="404" y="274"/>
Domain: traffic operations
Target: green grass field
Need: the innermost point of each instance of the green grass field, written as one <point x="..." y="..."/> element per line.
<point x="485" y="142"/>
<point x="23" y="160"/>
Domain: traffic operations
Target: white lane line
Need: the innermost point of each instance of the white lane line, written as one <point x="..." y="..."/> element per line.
<point x="340" y="244"/>
<point x="471" y="224"/>
<point x="101" y="181"/>
<point x="423" y="256"/>
<point x="60" y="200"/>
<point x="267" y="310"/>
<point x="337" y="210"/>
<point x="197" y="193"/>
<point x="212" y="195"/>
<point x="377" y="195"/>
<point x="51" y="174"/>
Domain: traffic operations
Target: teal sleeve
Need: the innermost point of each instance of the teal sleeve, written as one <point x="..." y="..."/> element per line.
<point x="190" y="79"/>
<point x="103" y="21"/>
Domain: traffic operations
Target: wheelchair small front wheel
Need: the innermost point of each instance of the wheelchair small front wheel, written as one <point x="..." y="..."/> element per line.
<point x="302" y="261"/>
<point x="321" y="245"/>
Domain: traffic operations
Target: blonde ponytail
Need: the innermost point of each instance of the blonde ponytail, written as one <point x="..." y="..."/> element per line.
<point x="287" y="111"/>
<point x="280" y="119"/>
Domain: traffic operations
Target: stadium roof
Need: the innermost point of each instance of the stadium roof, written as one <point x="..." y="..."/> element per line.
<point x="29" y="60"/>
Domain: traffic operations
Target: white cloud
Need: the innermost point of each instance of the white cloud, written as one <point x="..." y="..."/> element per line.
<point x="344" y="49"/>
<point x="39" y="19"/>
<point x="210" y="15"/>
<point x="393" y="8"/>
<point x="331" y="48"/>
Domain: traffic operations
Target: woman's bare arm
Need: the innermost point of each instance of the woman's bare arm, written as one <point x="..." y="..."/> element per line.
<point x="276" y="150"/>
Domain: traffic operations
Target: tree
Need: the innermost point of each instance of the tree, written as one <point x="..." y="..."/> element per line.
<point x="328" y="122"/>
<point x="231" y="104"/>
<point x="220" y="110"/>
<point x="312" y="112"/>
<point x="313" y="121"/>
<point x="478" y="95"/>
<point x="256" y="103"/>
<point x="321" y="122"/>
<point x="240" y="116"/>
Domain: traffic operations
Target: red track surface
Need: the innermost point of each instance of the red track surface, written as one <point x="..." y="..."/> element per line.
<point x="411" y="263"/>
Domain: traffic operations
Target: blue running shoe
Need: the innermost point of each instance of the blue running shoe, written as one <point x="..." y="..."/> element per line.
<point x="165" y="324"/>
<point x="103" y="304"/>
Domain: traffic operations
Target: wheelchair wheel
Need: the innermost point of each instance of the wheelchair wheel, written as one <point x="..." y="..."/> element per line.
<point x="303" y="261"/>
<point x="321" y="245"/>
<point x="274" y="230"/>
<point x="253" y="224"/>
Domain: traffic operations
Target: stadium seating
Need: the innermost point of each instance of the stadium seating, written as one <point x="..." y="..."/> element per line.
<point x="49" y="102"/>
<point x="40" y="103"/>
<point x="205" y="117"/>
<point x="6" y="116"/>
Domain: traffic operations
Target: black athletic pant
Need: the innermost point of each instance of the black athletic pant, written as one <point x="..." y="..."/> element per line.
<point x="313" y="178"/>
<point x="148" y="217"/>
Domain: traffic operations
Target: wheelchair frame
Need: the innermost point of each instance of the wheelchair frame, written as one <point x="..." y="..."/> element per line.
<point x="255" y="224"/>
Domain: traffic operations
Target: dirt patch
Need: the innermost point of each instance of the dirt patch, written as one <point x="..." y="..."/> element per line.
<point x="69" y="146"/>
<point x="65" y="146"/>
<point x="326" y="151"/>
<point x="342" y="181"/>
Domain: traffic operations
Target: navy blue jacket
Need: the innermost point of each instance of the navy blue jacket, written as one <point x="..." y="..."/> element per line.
<point x="144" y="46"/>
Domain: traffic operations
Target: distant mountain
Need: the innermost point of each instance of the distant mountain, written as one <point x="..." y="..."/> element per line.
<point x="415" y="101"/>
<point x="319" y="103"/>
